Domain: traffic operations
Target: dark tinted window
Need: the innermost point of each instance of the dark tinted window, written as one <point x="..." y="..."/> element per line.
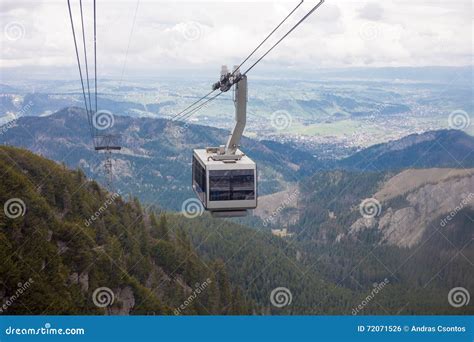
<point x="219" y="185"/>
<point x="228" y="185"/>
<point x="199" y="178"/>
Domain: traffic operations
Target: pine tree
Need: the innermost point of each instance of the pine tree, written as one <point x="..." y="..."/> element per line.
<point x="225" y="290"/>
<point x="238" y="307"/>
<point x="213" y="296"/>
<point x="153" y="226"/>
<point x="66" y="201"/>
<point x="163" y="228"/>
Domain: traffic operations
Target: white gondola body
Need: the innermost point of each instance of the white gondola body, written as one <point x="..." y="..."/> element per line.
<point x="224" y="186"/>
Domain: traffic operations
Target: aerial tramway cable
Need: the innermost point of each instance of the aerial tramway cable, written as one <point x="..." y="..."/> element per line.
<point x="191" y="105"/>
<point x="95" y="57"/>
<point x="101" y="142"/>
<point x="184" y="113"/>
<point x="85" y="55"/>
<point x="191" y="109"/>
<point x="269" y="35"/>
<point x="286" y="35"/>
<point x="79" y="66"/>
<point x="190" y="113"/>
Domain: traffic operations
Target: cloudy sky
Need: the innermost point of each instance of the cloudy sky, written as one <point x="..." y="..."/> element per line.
<point x="183" y="36"/>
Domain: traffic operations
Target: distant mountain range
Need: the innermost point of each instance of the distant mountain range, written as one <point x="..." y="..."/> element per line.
<point x="155" y="162"/>
<point x="42" y="104"/>
<point x="413" y="184"/>
<point x="443" y="148"/>
<point x="156" y="155"/>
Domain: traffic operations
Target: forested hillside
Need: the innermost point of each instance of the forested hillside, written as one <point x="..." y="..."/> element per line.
<point x="413" y="227"/>
<point x="74" y="238"/>
<point x="66" y="255"/>
<point x="67" y="238"/>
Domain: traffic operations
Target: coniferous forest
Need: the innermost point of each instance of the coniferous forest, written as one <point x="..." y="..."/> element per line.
<point x="74" y="237"/>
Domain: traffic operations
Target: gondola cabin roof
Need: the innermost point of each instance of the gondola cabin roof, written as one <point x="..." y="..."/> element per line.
<point x="205" y="157"/>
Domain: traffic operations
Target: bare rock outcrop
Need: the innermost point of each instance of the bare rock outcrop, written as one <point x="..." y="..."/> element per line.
<point x="431" y="193"/>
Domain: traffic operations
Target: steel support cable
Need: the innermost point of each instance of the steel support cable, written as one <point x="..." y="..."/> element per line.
<point x="79" y="63"/>
<point x="85" y="59"/>
<point x="286" y="35"/>
<point x="268" y="36"/>
<point x="190" y="113"/>
<point x="128" y="44"/>
<point x="175" y="117"/>
<point x="191" y="105"/>
<point x="95" y="56"/>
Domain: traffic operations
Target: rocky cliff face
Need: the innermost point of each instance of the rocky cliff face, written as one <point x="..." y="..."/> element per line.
<point x="415" y="202"/>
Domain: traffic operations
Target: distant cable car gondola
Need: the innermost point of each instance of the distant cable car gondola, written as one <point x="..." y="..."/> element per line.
<point x="224" y="178"/>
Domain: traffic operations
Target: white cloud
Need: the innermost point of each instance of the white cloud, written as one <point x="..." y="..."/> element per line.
<point x="371" y="11"/>
<point x="170" y="35"/>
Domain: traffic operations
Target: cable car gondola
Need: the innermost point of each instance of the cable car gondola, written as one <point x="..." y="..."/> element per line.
<point x="224" y="178"/>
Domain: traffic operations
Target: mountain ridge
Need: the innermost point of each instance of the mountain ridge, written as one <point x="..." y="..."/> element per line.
<point x="155" y="158"/>
<point x="156" y="153"/>
<point x="442" y="148"/>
